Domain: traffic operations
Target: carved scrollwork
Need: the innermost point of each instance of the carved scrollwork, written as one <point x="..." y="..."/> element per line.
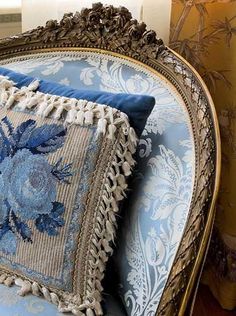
<point x="101" y="26"/>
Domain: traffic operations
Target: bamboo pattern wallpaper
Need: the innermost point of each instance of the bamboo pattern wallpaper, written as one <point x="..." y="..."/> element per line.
<point x="204" y="32"/>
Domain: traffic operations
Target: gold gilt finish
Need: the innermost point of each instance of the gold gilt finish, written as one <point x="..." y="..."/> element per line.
<point x="110" y="30"/>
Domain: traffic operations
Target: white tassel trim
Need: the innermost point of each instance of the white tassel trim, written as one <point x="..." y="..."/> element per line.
<point x="80" y="112"/>
<point x="114" y="125"/>
<point x="115" y="185"/>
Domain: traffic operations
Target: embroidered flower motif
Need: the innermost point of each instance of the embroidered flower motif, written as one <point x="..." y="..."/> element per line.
<point x="3" y="208"/>
<point x="28" y="183"/>
<point x="8" y="243"/>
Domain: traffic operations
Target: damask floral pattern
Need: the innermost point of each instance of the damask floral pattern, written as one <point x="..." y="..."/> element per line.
<point x="7" y="299"/>
<point x="165" y="199"/>
<point x="12" y="304"/>
<point x="28" y="182"/>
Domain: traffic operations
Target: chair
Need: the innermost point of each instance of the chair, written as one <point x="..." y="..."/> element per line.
<point x="167" y="221"/>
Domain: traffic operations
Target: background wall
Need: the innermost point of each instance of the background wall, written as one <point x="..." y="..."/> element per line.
<point x="204" y="32"/>
<point x="155" y="13"/>
<point x="10" y="18"/>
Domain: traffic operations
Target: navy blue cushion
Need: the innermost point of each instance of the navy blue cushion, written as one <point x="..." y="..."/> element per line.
<point x="137" y="107"/>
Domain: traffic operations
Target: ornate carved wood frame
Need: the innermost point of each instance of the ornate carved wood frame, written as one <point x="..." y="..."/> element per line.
<point x="113" y="30"/>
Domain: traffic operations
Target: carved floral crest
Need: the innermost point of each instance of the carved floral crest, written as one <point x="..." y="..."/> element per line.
<point x="100" y="26"/>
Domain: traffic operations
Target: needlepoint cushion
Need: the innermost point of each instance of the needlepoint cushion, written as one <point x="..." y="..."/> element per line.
<point x="137" y="107"/>
<point x="63" y="169"/>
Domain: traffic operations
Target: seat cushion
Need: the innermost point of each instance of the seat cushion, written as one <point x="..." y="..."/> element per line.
<point x="12" y="304"/>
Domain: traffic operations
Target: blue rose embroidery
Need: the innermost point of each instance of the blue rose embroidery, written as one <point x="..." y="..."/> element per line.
<point x="28" y="183"/>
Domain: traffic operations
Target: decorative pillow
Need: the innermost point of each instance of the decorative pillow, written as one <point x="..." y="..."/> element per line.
<point x="63" y="169"/>
<point x="137" y="107"/>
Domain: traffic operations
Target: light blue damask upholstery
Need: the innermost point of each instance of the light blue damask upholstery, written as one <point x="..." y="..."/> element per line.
<point x="158" y="207"/>
<point x="12" y="304"/>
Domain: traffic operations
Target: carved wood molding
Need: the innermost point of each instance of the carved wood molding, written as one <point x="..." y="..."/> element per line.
<point x="190" y="255"/>
<point x="101" y="26"/>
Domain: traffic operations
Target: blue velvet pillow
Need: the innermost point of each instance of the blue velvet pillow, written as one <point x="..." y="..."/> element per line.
<point x="137" y="107"/>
